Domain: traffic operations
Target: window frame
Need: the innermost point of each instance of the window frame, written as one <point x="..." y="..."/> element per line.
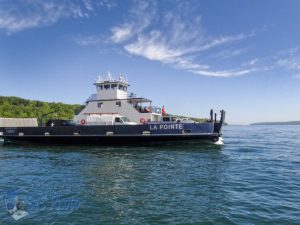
<point x="166" y="119"/>
<point x="118" y="103"/>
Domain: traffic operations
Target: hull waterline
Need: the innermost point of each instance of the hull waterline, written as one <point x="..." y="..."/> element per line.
<point x="111" y="135"/>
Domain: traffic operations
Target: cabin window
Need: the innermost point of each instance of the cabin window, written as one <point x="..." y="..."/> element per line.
<point x="114" y="86"/>
<point x="118" y="120"/>
<point x="166" y="119"/>
<point x="125" y="88"/>
<point x="118" y="104"/>
<point x="99" y="88"/>
<point x="106" y="86"/>
<point x="100" y="104"/>
<point x="120" y="86"/>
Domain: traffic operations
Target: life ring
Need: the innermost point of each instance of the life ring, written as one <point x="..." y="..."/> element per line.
<point x="143" y="120"/>
<point x="82" y="122"/>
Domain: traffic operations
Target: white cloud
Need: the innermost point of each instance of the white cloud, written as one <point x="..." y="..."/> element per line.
<point x="224" y="40"/>
<point x="296" y="76"/>
<point x="292" y="63"/>
<point x="19" y="15"/>
<point x="105" y="3"/>
<point x="289" y="52"/>
<point x="289" y="59"/>
<point x="253" y="61"/>
<point x="225" y="73"/>
<point x="86" y="40"/>
<point x="230" y="53"/>
<point x="121" y="34"/>
<point x="153" y="48"/>
<point x="173" y="37"/>
<point x="141" y="17"/>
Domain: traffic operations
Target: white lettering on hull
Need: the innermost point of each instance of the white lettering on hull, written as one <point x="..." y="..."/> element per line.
<point x="176" y="126"/>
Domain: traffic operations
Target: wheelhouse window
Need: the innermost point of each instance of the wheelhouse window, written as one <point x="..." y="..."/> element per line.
<point x="118" y="120"/>
<point x="125" y="119"/>
<point x="106" y="86"/>
<point x="118" y="104"/>
<point x="125" y="88"/>
<point x="166" y="119"/>
<point x="100" y="87"/>
<point x="100" y="104"/>
<point x="114" y="86"/>
<point x="120" y="86"/>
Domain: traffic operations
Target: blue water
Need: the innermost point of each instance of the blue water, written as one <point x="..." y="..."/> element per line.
<point x="253" y="179"/>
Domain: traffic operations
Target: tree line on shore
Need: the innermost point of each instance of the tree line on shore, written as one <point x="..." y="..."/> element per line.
<point x="15" y="107"/>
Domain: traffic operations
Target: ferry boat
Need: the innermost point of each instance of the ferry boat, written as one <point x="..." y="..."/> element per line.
<point x="115" y="116"/>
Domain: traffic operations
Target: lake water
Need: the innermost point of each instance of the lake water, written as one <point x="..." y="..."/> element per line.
<point x="253" y="179"/>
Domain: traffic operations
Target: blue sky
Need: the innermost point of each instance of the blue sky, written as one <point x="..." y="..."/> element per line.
<point x="243" y="56"/>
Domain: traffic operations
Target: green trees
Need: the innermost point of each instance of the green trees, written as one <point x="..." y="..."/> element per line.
<point x="14" y="107"/>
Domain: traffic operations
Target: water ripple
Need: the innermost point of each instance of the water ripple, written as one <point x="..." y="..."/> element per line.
<point x="253" y="179"/>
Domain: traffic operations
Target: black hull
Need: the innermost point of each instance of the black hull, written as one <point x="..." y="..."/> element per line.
<point x="112" y="134"/>
<point x="108" y="140"/>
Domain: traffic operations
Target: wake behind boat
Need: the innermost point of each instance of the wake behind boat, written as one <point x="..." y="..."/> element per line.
<point x="113" y="116"/>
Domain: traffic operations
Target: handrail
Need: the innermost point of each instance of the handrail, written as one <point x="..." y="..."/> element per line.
<point x="45" y="114"/>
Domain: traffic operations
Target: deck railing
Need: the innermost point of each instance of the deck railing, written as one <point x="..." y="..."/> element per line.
<point x="148" y="109"/>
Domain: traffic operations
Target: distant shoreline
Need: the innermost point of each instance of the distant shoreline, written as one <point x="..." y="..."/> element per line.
<point x="278" y="123"/>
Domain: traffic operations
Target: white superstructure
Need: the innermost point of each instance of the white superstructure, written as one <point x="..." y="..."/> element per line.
<point x="18" y="122"/>
<point x="113" y="98"/>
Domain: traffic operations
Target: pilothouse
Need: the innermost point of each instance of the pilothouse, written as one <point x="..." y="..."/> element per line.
<point x="112" y="98"/>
